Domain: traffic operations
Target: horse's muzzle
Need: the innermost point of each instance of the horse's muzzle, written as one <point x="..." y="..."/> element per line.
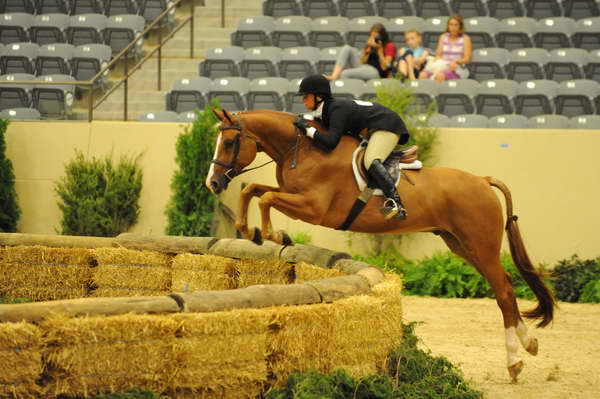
<point x="218" y="185"/>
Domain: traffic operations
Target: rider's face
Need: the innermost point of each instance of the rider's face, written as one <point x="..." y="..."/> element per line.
<point x="309" y="101"/>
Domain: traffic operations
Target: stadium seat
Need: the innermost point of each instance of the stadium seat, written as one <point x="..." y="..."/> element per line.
<point x="320" y="8"/>
<point x="122" y="30"/>
<point x="187" y="117"/>
<point x="356" y="8"/>
<point x="281" y="8"/>
<point x="372" y="85"/>
<point x="160" y="116"/>
<point x="230" y="91"/>
<point x="86" y="29"/>
<point x="24" y="6"/>
<point x="52" y="7"/>
<point x="425" y="90"/>
<point x="471" y="121"/>
<point x="505" y="8"/>
<point x="397" y="26"/>
<point x="470" y="8"/>
<point x="328" y="32"/>
<point x="431" y="8"/>
<point x="576" y="97"/>
<point x="593" y="66"/>
<point x="482" y="31"/>
<point x="432" y="30"/>
<point x="585" y="122"/>
<point x="14" y="27"/>
<point x="222" y="61"/>
<point x="21" y="114"/>
<point x="516" y="33"/>
<point x="509" y="121"/>
<point x="54" y="101"/>
<point x="488" y="63"/>
<point x="88" y="60"/>
<point x="439" y="120"/>
<point x="555" y="32"/>
<point x="496" y="97"/>
<point x="457" y="97"/>
<point x="261" y="62"/>
<point x="151" y="9"/>
<point x="54" y="59"/>
<point x="539" y="9"/>
<point x="253" y="32"/>
<point x="49" y="28"/>
<point x="268" y="93"/>
<point x="536" y="97"/>
<point x="14" y="95"/>
<point x="291" y="31"/>
<point x="18" y="58"/>
<point x="395" y="8"/>
<point x="327" y="59"/>
<point x="548" y="122"/>
<point x="298" y="62"/>
<point x="188" y="94"/>
<point x="79" y="7"/>
<point x="348" y="88"/>
<point x="359" y="28"/>
<point x="527" y="64"/>
<point x="578" y="9"/>
<point x="294" y="100"/>
<point x="120" y="7"/>
<point x="587" y="34"/>
<point x="567" y="64"/>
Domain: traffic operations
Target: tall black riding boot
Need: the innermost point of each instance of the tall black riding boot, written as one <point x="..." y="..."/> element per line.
<point x="392" y="207"/>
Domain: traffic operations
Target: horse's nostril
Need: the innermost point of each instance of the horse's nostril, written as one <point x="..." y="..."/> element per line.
<point x="214" y="184"/>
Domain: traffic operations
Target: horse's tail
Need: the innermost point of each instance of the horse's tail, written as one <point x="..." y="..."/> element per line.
<point x="546" y="301"/>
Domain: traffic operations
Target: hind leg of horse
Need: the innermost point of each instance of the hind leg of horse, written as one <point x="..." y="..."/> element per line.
<point x="241" y="224"/>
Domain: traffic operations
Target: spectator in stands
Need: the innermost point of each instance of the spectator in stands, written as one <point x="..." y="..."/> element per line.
<point x="412" y="59"/>
<point x="374" y="61"/>
<point x="454" y="51"/>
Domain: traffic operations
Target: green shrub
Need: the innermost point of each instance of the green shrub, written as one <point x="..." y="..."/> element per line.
<point x="591" y="292"/>
<point x="301" y="238"/>
<point x="99" y="198"/>
<point x="14" y="300"/>
<point x="190" y="210"/>
<point x="391" y="260"/>
<point x="9" y="208"/>
<point x="572" y="275"/>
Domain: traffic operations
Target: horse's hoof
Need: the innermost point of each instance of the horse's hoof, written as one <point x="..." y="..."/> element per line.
<point x="285" y="238"/>
<point x="532" y="348"/>
<point x="257" y="236"/>
<point x="515" y="370"/>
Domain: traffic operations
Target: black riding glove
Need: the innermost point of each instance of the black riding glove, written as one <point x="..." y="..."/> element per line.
<point x="301" y="124"/>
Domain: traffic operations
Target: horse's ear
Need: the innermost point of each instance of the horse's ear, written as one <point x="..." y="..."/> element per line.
<point x="218" y="114"/>
<point x="227" y="116"/>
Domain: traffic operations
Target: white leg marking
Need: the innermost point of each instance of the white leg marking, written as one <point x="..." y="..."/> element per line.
<point x="211" y="170"/>
<point x="512" y="346"/>
<point x="522" y="334"/>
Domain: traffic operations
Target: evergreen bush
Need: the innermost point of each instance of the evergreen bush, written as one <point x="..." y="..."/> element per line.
<point x="9" y="208"/>
<point x="571" y="276"/>
<point x="190" y="210"/>
<point x="99" y="198"/>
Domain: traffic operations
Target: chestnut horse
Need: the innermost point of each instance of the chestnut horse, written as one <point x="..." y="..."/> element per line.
<point x="459" y="207"/>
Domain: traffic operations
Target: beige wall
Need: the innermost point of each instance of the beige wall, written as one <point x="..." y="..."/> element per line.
<point x="554" y="177"/>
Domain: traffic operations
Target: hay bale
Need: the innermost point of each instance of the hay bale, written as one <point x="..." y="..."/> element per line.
<point x="245" y="249"/>
<point x="311" y="254"/>
<point x="55" y="241"/>
<point x="43" y="273"/>
<point x="20" y="360"/>
<point x="203" y="273"/>
<point x="165" y="244"/>
<point x="126" y="272"/>
<point x="257" y="271"/>
<point x="306" y="272"/>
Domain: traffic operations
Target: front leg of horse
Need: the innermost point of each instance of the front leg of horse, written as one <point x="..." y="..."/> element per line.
<point x="241" y="224"/>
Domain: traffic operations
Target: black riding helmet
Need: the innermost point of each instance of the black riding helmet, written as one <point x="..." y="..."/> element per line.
<point x="315" y="84"/>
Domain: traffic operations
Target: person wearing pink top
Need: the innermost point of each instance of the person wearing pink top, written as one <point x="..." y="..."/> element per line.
<point x="454" y="47"/>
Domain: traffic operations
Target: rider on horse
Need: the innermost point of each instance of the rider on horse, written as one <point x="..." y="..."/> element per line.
<point x="349" y="117"/>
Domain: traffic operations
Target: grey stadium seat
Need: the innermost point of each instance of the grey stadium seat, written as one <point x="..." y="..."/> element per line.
<point x="294" y="100"/>
<point x="86" y="29"/>
<point x="555" y="32"/>
<point x="54" y="101"/>
<point x="585" y="122"/>
<point x="253" y="32"/>
<point x="470" y="121"/>
<point x="348" y="88"/>
<point x="291" y="31"/>
<point x="160" y="116"/>
<point x="88" y="60"/>
<point x="488" y="63"/>
<point x="14" y="27"/>
<point x="496" y="97"/>
<point x="358" y="30"/>
<point x="431" y="8"/>
<point x="188" y="117"/>
<point x="24" y="6"/>
<point x="21" y="114"/>
<point x="18" y="58"/>
<point x="231" y="92"/>
<point x="579" y="9"/>
<point x="14" y="95"/>
<point x="356" y="8"/>
<point x="222" y="61"/>
<point x="54" y="59"/>
<point x="576" y="97"/>
<point x="539" y="9"/>
<point x="593" y="66"/>
<point x="52" y="7"/>
<point x="328" y="32"/>
<point x="79" y="7"/>
<point x="327" y="59"/>
<point x="281" y="8"/>
<point x="120" y="7"/>
<point x="548" y="122"/>
<point x="49" y="28"/>
<point x="268" y="93"/>
<point x="439" y="120"/>
<point x="297" y="62"/>
<point x="510" y="121"/>
<point x="320" y="8"/>
<point x="516" y="33"/>
<point x="470" y="8"/>
<point x="505" y="8"/>
<point x="567" y="64"/>
<point x="151" y="9"/>
<point x="188" y="94"/>
<point x="426" y="91"/>
<point x="457" y="97"/>
<point x="527" y="64"/>
<point x="432" y="30"/>
<point x="261" y="62"/>
<point x="121" y="30"/>
<point x="587" y="34"/>
<point x="395" y="8"/>
<point x="482" y="31"/>
<point x="536" y="97"/>
<point x="397" y="26"/>
<point x="373" y="85"/>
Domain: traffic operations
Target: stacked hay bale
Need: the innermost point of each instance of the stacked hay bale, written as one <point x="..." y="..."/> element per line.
<point x="203" y="272"/>
<point x="306" y="272"/>
<point x="41" y="273"/>
<point x="126" y="272"/>
<point x="20" y="360"/>
<point x="261" y="271"/>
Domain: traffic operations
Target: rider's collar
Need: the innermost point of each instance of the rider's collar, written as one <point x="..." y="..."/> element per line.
<point x="319" y="111"/>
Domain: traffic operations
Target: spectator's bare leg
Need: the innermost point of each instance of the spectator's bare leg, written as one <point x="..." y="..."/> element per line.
<point x="440" y="77"/>
<point x="411" y="68"/>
